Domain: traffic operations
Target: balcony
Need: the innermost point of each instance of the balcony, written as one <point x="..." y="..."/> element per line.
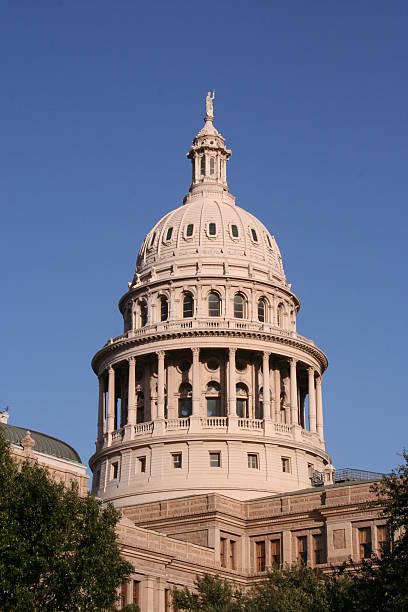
<point x="222" y="424"/>
<point x="219" y="324"/>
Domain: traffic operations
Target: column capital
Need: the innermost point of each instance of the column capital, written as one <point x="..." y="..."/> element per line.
<point x="131" y="360"/>
<point x="195" y="350"/>
<point x="266" y="354"/>
<point x="160" y="353"/>
<point x="311" y="370"/>
<point x="111" y="370"/>
<point x="293" y="361"/>
<point x="232" y="349"/>
<point x="319" y="380"/>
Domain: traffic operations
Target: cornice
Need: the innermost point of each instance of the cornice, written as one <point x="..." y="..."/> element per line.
<point x="117" y="347"/>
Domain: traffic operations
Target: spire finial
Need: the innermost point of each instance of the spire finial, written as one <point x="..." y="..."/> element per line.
<point x="209" y="108"/>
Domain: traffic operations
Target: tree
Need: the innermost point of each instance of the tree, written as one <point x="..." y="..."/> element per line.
<point x="212" y="594"/>
<point x="58" y="551"/>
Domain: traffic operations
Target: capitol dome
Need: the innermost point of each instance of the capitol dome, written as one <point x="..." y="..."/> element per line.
<point x="210" y="388"/>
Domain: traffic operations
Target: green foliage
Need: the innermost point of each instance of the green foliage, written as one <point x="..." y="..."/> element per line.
<point x="131" y="608"/>
<point x="58" y="551"/>
<point x="213" y="594"/>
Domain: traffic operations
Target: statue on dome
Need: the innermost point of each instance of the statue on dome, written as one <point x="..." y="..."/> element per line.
<point x="209" y="108"/>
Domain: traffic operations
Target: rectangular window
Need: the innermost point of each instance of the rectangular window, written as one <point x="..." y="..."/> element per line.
<point x="317" y="549"/>
<point x="177" y="460"/>
<point x="114" y="470"/>
<point x="286" y="465"/>
<point x="302" y="549"/>
<point x="232" y="554"/>
<point x="260" y="556"/>
<point x="275" y="552"/>
<point x="136" y="592"/>
<point x="212" y="229"/>
<point x="215" y="459"/>
<point x="141" y="464"/>
<point x="384" y="540"/>
<point x="169" y="233"/>
<point x="223" y="546"/>
<point x="364" y="540"/>
<point x="253" y="461"/>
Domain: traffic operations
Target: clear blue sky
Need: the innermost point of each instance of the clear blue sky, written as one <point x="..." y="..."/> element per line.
<point x="99" y="102"/>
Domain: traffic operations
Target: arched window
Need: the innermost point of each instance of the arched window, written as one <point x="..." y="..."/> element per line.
<point x="234" y="231"/>
<point x="212" y="165"/>
<point x="262" y="310"/>
<point x="188" y="305"/>
<point x="214" y="305"/>
<point x="185" y="407"/>
<point x="213" y="399"/>
<point x="164" y="308"/>
<point x="140" y="406"/>
<point x="281" y="315"/>
<point x="143" y="314"/>
<point x="203" y="165"/>
<point x="242" y="400"/>
<point x="239" y="306"/>
<point x="259" y="409"/>
<point x="189" y="230"/>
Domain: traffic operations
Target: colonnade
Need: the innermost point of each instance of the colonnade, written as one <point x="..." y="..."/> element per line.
<point x="271" y="389"/>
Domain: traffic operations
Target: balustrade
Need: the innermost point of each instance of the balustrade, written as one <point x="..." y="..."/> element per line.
<point x="282" y="428"/>
<point x="117" y="435"/>
<point x="142" y="428"/>
<point x="174" y="424"/>
<point x="214" y="422"/>
<point x="250" y="423"/>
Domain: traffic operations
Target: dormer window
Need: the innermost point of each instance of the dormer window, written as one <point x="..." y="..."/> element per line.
<point x="169" y="233"/>
<point x="203" y="165"/>
<point x="212" y="229"/>
<point x="152" y="239"/>
<point x="234" y="231"/>
<point x="254" y="235"/>
<point x="212" y="165"/>
<point x="189" y="230"/>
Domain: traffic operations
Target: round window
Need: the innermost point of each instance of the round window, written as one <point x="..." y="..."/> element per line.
<point x="241" y="366"/>
<point x="184" y="366"/>
<point x="213" y="365"/>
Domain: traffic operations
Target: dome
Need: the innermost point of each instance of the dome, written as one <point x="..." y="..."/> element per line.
<point x="212" y="228"/>
<point x="43" y="443"/>
<point x="209" y="225"/>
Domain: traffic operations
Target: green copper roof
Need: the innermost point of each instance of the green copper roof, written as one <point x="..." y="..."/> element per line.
<point x="43" y="443"/>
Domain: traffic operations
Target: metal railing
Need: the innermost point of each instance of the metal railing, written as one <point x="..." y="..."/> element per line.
<point x="353" y="475"/>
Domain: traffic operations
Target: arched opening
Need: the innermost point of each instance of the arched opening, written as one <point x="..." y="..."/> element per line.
<point x="212" y="165"/>
<point x="242" y="400"/>
<point x="281" y="315"/>
<point x="185" y="402"/>
<point x="213" y="399"/>
<point x="143" y="314"/>
<point x="259" y="409"/>
<point x="214" y="305"/>
<point x="164" y="308"/>
<point x="188" y="306"/>
<point x="239" y="306"/>
<point x="203" y="165"/>
<point x="262" y="311"/>
<point x="140" y="413"/>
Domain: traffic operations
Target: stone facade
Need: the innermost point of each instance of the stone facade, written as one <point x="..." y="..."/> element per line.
<point x="210" y="413"/>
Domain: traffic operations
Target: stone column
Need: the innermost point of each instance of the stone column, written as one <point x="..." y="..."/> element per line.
<point x="101" y="408"/>
<point x="266" y="394"/>
<point x="232" y="393"/>
<point x="160" y="385"/>
<point x="277" y="395"/>
<point x="111" y="404"/>
<point x="232" y="390"/>
<point x="319" y="407"/>
<point x="132" y="392"/>
<point x="159" y="424"/>
<point x="293" y="393"/>
<point x="195" y="420"/>
<point x="312" y="401"/>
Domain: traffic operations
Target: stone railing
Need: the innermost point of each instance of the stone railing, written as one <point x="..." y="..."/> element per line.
<point x="216" y="422"/>
<point x="174" y="424"/>
<point x="250" y="423"/>
<point x="222" y="324"/>
<point x="117" y="435"/>
<point x="282" y="428"/>
<point x="143" y="428"/>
